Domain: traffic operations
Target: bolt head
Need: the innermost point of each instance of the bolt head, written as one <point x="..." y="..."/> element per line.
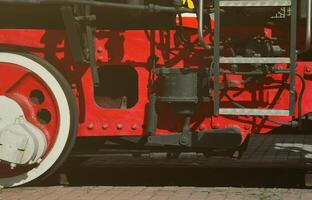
<point x="308" y="70"/>
<point x="100" y="58"/>
<point x="90" y="126"/>
<point x="202" y="127"/>
<point x="104" y="126"/>
<point x="119" y="126"/>
<point x="100" y="49"/>
<point x="215" y="126"/>
<point x="134" y="127"/>
<point x="12" y="166"/>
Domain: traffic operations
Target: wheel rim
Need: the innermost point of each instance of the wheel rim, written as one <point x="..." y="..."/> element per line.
<point x="43" y="113"/>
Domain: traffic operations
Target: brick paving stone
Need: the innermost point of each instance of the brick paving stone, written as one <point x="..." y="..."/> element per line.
<point x="111" y="194"/>
<point x="235" y="197"/>
<point x="128" y="193"/>
<point x="27" y="193"/>
<point x="216" y="197"/>
<point x="198" y="195"/>
<point x="306" y="196"/>
<point x="181" y="195"/>
<point x="153" y="193"/>
<point x="171" y="188"/>
<point x="290" y="196"/>
<point x="93" y="194"/>
<point x="163" y="195"/>
<point x="60" y="194"/>
<point x="42" y="192"/>
<point x="270" y="195"/>
<point x="146" y="194"/>
<point x="201" y="189"/>
<point x="77" y="193"/>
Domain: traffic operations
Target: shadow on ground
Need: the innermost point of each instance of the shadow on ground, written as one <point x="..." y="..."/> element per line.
<point x="271" y="161"/>
<point x="179" y="176"/>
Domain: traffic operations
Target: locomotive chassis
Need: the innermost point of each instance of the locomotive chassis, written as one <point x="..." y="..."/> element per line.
<point x="137" y="82"/>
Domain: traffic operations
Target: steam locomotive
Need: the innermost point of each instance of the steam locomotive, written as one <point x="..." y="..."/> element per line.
<point x="171" y="75"/>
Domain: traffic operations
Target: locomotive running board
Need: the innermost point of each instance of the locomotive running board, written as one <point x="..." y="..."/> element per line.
<point x="227" y="138"/>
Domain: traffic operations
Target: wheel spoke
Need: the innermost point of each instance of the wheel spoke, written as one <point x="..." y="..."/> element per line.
<point x="18" y="82"/>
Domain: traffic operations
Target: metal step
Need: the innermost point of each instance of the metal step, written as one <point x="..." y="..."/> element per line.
<point x="253" y="60"/>
<point x="250" y="3"/>
<point x="253" y="112"/>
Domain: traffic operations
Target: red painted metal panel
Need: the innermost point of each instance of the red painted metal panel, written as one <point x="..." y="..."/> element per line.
<point x="132" y="48"/>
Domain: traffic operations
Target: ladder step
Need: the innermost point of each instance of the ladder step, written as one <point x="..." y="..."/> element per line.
<point x="252" y="60"/>
<point x="250" y="3"/>
<point x="253" y="112"/>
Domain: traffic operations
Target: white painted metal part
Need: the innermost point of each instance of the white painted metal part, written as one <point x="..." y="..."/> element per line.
<point x="21" y="143"/>
<point x="64" y="120"/>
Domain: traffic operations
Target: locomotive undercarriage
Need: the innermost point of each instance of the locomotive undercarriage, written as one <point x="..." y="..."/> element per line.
<point x="158" y="81"/>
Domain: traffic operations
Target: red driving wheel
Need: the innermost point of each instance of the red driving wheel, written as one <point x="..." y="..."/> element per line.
<point x="38" y="112"/>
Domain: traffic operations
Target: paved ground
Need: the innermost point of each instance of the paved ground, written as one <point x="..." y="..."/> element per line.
<point x="272" y="168"/>
<point x="153" y="193"/>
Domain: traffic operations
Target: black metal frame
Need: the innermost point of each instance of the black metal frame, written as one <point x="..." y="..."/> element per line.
<point x="80" y="34"/>
<point x="293" y="56"/>
<point x="216" y="58"/>
<point x="96" y="3"/>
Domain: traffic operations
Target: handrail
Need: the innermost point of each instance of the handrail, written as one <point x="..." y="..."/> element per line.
<point x="201" y="25"/>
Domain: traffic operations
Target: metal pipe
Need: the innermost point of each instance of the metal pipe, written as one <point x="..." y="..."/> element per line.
<point x="148" y="8"/>
<point x="303" y="87"/>
<point x="308" y="30"/>
<point x="201" y="25"/>
<point x="307" y="46"/>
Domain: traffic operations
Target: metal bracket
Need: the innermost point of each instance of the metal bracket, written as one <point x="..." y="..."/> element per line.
<point x="80" y="32"/>
<point x="227" y="138"/>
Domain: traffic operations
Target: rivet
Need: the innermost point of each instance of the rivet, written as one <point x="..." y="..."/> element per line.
<point x="119" y="126"/>
<point x="100" y="58"/>
<point x="308" y="70"/>
<point x="100" y="50"/>
<point x="202" y="127"/>
<point x="246" y="128"/>
<point x="215" y="126"/>
<point x="90" y="126"/>
<point x="12" y="166"/>
<point x="72" y="68"/>
<point x="134" y="127"/>
<point x="104" y="126"/>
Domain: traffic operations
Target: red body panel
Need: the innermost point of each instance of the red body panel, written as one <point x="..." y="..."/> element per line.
<point x="132" y="48"/>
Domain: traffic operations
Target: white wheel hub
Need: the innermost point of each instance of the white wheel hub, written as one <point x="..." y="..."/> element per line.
<point x="21" y="142"/>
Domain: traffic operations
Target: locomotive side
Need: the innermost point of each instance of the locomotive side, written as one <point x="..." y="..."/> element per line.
<point x="173" y="75"/>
